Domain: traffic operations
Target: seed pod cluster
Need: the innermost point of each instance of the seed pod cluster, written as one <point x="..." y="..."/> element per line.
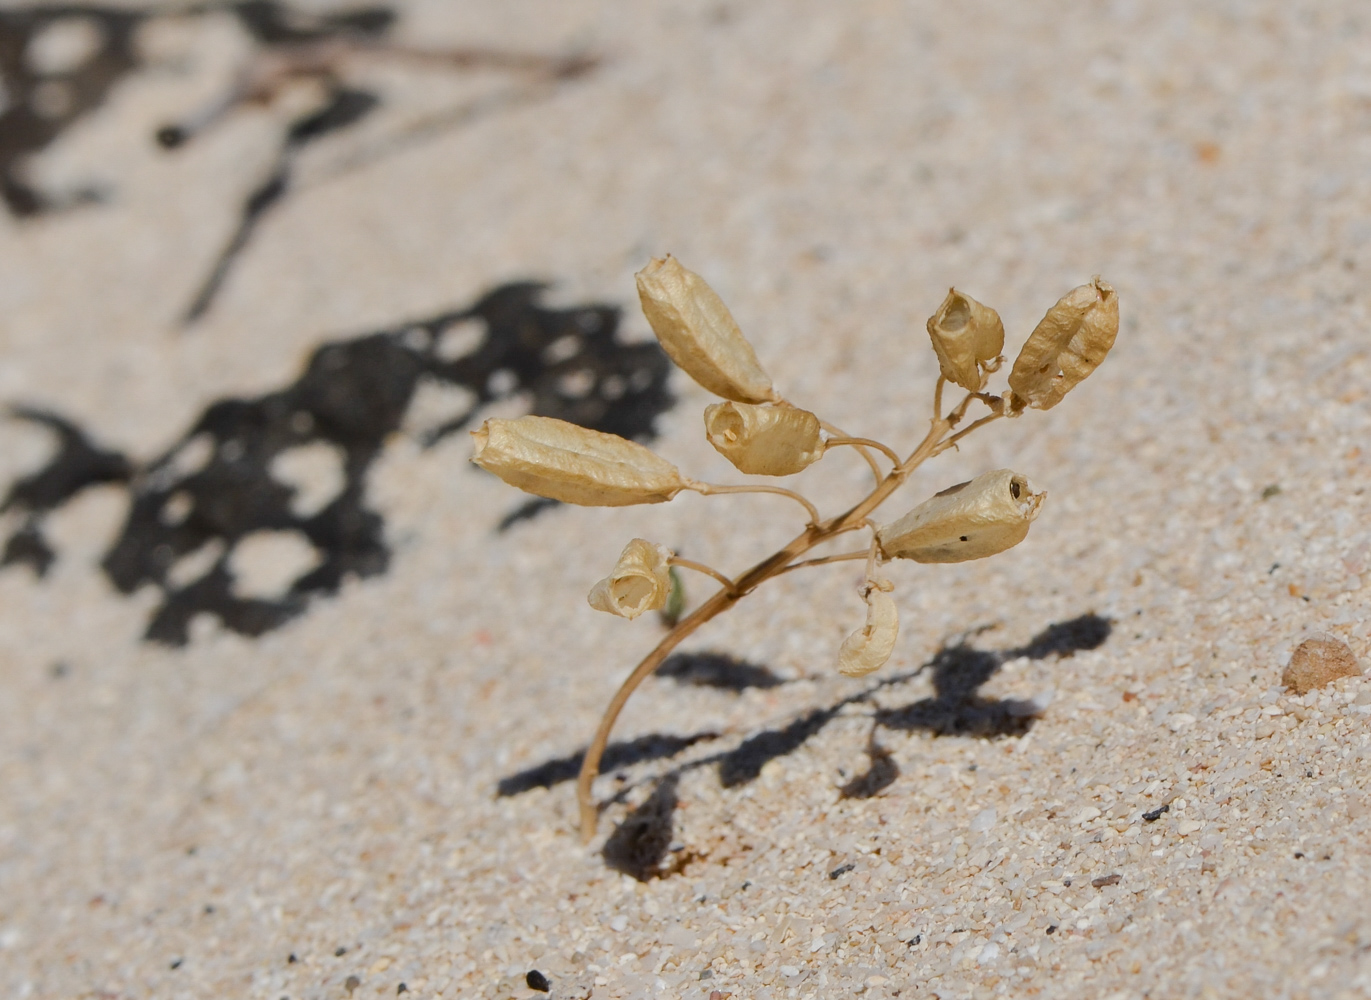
<point x="698" y="332"/>
<point x="639" y="582"/>
<point x="563" y="461"/>
<point x="764" y="440"/>
<point x="967" y="338"/>
<point x="868" y="648"/>
<point x="1065" y="347"/>
<point x="971" y="520"/>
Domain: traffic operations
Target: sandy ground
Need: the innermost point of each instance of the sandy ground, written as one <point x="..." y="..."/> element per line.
<point x="356" y="803"/>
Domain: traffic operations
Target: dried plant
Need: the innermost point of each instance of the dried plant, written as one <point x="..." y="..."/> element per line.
<point x="761" y="433"/>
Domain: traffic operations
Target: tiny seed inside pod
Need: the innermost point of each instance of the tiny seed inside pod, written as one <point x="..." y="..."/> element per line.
<point x="1014" y="489"/>
<point x="957" y="315"/>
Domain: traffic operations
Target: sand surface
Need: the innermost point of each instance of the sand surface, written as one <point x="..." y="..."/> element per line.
<point x="1078" y="777"/>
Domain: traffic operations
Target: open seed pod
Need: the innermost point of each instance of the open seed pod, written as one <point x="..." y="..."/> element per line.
<point x="869" y="647"/>
<point x="563" y="461"/>
<point x="1065" y="347"/>
<point x="764" y="440"/>
<point x="698" y="332"/>
<point x="971" y="520"/>
<point x="966" y="336"/>
<point x="640" y="581"/>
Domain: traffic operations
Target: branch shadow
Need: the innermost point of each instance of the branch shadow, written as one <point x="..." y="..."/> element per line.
<point x="654" y="746"/>
<point x="717" y="670"/>
<point x="641" y="842"/>
<point x="876" y="778"/>
<point x="640" y="845"/>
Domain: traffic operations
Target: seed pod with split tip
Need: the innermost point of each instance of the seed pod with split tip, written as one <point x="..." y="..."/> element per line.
<point x="870" y="646"/>
<point x="563" y="461"/>
<point x="641" y="581"/>
<point x="764" y="440"/>
<point x="1070" y="342"/>
<point x="971" y="520"/>
<point x="698" y="332"/>
<point x="966" y="336"/>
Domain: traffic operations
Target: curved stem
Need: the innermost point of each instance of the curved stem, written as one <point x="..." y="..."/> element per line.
<point x="729" y="585"/>
<point x="938" y="399"/>
<point x="871" y="554"/>
<point x="708" y="489"/>
<point x="838" y="432"/>
<point x="865" y="442"/>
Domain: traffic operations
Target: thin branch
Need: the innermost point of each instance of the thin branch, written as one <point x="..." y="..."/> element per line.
<point x="842" y="557"/>
<point x="952" y="441"/>
<point x="886" y="450"/>
<point x="728" y="584"/>
<point x="708" y="489"/>
<point x="838" y="432"/>
<point x="938" y="399"/>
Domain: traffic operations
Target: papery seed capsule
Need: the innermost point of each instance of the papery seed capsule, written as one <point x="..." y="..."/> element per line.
<point x="1070" y="342"/>
<point x="563" y="461"/>
<point x="971" y="520"/>
<point x="641" y="581"/>
<point x="764" y="440"/>
<point x="698" y="332"/>
<point x="966" y="335"/>
<point x="870" y="646"/>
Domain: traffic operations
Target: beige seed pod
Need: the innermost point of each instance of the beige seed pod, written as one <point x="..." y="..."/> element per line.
<point x="971" y="520"/>
<point x="698" y="332"/>
<point x="641" y="581"/>
<point x="966" y="336"/>
<point x="563" y="461"/>
<point x="1070" y="342"/>
<point x="764" y="440"/>
<point x="870" y="646"/>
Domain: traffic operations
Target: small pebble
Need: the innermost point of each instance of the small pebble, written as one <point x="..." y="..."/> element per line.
<point x="1104" y="880"/>
<point x="1318" y="661"/>
<point x="537" y="981"/>
<point x="1152" y="815"/>
<point x="351" y="983"/>
<point x="840" y="871"/>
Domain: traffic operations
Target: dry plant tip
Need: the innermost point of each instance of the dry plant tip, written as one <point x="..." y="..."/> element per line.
<point x="698" y="332"/>
<point x="1065" y="347"/>
<point x="971" y="520"/>
<point x="764" y="440"/>
<point x="967" y="338"/>
<point x="867" y="649"/>
<point x="563" y="461"/>
<point x="640" y="581"/>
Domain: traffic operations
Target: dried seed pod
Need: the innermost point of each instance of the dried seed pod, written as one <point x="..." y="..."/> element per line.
<point x="870" y="646"/>
<point x="1066" y="346"/>
<point x="971" y="520"/>
<point x="764" y="440"/>
<point x="641" y="581"/>
<point x="698" y="332"/>
<point x="966" y="335"/>
<point x="563" y="461"/>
